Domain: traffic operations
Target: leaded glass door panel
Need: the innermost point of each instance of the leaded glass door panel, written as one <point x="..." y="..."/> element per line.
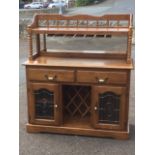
<point x="44" y="103"/>
<point x="108" y="107"/>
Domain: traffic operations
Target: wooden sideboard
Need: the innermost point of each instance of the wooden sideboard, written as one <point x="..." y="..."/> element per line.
<point x="82" y="93"/>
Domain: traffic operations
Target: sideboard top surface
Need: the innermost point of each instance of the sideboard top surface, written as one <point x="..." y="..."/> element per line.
<point x="79" y="62"/>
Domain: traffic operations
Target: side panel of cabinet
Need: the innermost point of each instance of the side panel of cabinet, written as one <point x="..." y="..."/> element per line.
<point x="44" y="104"/>
<point x="108" y="107"/>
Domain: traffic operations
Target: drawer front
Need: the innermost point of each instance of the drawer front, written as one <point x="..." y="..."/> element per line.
<point x="107" y="77"/>
<point x="51" y="75"/>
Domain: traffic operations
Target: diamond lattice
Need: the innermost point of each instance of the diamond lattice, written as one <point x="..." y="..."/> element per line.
<point x="77" y="100"/>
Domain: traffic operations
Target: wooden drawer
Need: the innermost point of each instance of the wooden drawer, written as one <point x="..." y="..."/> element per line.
<point x="107" y="77"/>
<point x="51" y="75"/>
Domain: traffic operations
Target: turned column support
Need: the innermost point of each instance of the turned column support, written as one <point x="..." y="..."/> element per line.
<point x="30" y="46"/>
<point x="129" y="44"/>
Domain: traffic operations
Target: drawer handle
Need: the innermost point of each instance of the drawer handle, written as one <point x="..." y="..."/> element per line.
<point x="101" y="80"/>
<point x="50" y="78"/>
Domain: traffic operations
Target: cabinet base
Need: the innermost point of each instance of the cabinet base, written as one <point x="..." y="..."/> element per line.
<point x="31" y="128"/>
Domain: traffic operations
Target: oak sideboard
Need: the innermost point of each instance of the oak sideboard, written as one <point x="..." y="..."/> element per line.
<point x="78" y="92"/>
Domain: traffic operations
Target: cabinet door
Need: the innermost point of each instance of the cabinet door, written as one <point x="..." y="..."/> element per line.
<point x="44" y="104"/>
<point x="108" y="107"/>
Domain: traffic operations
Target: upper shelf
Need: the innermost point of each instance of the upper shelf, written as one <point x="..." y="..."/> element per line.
<point x="81" y="24"/>
<point x="81" y="31"/>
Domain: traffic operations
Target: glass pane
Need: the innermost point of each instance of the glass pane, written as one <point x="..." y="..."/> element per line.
<point x="109" y="107"/>
<point x="44" y="104"/>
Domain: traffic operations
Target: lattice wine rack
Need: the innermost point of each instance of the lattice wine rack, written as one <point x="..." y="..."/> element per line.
<point x="76" y="100"/>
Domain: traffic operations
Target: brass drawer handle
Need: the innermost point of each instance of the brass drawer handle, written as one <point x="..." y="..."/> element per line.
<point x="50" y="78"/>
<point x="101" y="80"/>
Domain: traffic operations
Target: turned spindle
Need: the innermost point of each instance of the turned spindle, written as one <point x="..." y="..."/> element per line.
<point x="129" y="45"/>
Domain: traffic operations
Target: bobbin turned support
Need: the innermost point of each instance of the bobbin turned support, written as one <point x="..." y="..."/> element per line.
<point x="129" y="44"/>
<point x="129" y="40"/>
